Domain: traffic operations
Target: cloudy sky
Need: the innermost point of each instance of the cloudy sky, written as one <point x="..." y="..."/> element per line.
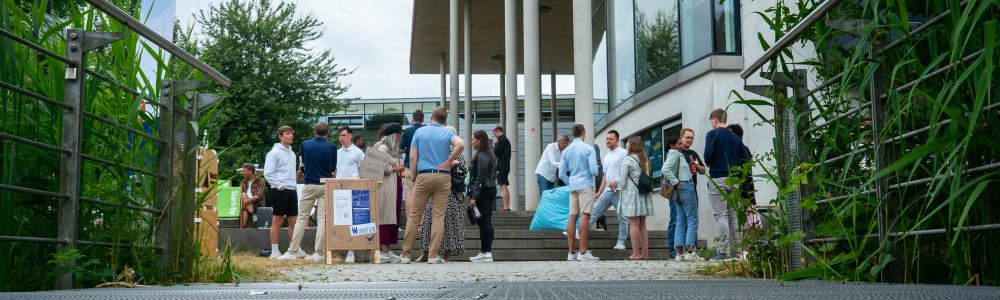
<point x="374" y="37"/>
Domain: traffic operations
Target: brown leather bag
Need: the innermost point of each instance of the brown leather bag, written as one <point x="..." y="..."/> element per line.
<point x="667" y="190"/>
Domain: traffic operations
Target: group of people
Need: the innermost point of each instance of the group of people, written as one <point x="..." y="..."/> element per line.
<point x="575" y="165"/>
<point x="429" y="172"/>
<point x="426" y="168"/>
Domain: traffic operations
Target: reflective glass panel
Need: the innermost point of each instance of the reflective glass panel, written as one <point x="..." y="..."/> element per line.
<point x="657" y="51"/>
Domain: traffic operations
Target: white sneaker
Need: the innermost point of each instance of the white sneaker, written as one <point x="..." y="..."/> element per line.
<point x="316" y="257"/>
<point x="350" y="257"/>
<point x="692" y="257"/>
<point x="387" y="258"/>
<point x="679" y="257"/>
<point x="404" y="260"/>
<point x="287" y="256"/>
<point x="482" y="257"/>
<point x="275" y="254"/>
<point x="571" y="256"/>
<point x="589" y="256"/>
<point x="436" y="260"/>
<point x="301" y="254"/>
<point x="620" y="246"/>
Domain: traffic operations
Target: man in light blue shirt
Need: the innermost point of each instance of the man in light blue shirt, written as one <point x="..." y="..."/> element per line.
<point x="577" y="168"/>
<point x="430" y="161"/>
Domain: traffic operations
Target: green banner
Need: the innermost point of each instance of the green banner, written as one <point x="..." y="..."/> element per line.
<point x="229" y="202"/>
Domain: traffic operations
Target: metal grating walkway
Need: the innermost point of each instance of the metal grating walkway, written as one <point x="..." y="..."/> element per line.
<point x="681" y="289"/>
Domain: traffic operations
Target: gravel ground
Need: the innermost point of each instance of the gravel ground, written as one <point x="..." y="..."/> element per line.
<point x="495" y="272"/>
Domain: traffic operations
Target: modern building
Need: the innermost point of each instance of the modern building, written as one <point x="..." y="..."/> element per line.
<point x="663" y="65"/>
<point x="365" y="116"/>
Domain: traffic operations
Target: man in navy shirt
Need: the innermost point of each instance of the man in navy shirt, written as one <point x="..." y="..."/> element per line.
<point x="320" y="159"/>
<point x="723" y="151"/>
<point x="404" y="147"/>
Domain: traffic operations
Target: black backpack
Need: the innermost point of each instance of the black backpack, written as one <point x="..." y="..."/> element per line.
<point x="645" y="183"/>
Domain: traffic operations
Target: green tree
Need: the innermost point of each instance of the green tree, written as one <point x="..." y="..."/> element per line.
<point x="277" y="80"/>
<point x="657" y="48"/>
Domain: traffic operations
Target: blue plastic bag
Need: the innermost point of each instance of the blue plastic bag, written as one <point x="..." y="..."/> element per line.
<point x="552" y="211"/>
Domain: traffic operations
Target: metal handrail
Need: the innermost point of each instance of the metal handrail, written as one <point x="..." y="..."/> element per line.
<point x="34" y="46"/>
<point x="122" y="87"/>
<point x="5" y="136"/>
<point x="909" y="233"/>
<point x="978" y="169"/>
<point x="845" y="114"/>
<point x="107" y="244"/>
<point x="114" y="164"/>
<point x="109" y="203"/>
<point x="25" y="190"/>
<point x="119" y="125"/>
<point x="31" y="94"/>
<point x="126" y="20"/>
<point x="789" y="38"/>
<point x="31" y="239"/>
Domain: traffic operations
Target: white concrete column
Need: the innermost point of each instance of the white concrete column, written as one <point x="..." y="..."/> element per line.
<point x="467" y="30"/>
<point x="554" y="107"/>
<point x="503" y="96"/>
<point x="444" y="81"/>
<point x="453" y="63"/>
<point x="510" y="86"/>
<point x="532" y="102"/>
<point x="583" y="67"/>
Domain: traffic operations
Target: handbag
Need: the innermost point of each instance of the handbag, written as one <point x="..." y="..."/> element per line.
<point x="645" y="184"/>
<point x="667" y="189"/>
<point x="457" y="179"/>
<point x="473" y="214"/>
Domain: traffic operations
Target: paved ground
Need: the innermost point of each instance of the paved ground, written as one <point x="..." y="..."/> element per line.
<point x="496" y="271"/>
<point x="669" y="289"/>
<point x="519" y="280"/>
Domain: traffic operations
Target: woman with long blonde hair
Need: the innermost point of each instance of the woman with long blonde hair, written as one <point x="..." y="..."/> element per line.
<point x="635" y="205"/>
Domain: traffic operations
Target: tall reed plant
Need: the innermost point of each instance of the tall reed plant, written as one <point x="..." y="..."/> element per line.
<point x="902" y="213"/>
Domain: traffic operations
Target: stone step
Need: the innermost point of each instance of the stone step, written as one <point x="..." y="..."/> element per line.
<point x="536" y="255"/>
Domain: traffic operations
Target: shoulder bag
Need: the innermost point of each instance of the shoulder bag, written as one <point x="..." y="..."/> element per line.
<point x="667" y="189"/>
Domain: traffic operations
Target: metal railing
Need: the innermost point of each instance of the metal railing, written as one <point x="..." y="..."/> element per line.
<point x="172" y="213"/>
<point x="868" y="110"/>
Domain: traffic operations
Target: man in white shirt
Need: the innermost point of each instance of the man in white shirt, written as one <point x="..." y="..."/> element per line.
<point x="349" y="159"/>
<point x="279" y="170"/>
<point x="548" y="164"/>
<point x="607" y="194"/>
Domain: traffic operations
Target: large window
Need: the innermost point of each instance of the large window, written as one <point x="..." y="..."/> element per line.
<point x="694" y="40"/>
<point x="623" y="50"/>
<point x="649" y="40"/>
<point x="657" y="49"/>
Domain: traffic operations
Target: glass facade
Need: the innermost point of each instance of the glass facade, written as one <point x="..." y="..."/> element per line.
<point x="649" y="40"/>
<point x="622" y="57"/>
<point x="656" y="42"/>
<point x="373" y="113"/>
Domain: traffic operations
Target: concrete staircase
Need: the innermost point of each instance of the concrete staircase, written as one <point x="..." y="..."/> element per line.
<point x="512" y="240"/>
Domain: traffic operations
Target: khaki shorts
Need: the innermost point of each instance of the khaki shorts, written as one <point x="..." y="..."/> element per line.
<point x="581" y="201"/>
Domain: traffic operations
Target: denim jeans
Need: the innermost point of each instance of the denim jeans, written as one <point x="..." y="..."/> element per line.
<point x="687" y="216"/>
<point x="606" y="200"/>
<point x="671" y="228"/>
<point x="544" y="184"/>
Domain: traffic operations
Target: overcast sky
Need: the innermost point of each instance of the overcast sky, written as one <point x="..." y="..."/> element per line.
<point x="374" y="37"/>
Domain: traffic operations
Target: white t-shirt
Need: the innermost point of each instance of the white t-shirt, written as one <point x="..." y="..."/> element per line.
<point x="349" y="162"/>
<point x="613" y="165"/>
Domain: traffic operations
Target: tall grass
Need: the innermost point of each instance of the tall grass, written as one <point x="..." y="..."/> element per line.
<point x="30" y="266"/>
<point x="944" y="152"/>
